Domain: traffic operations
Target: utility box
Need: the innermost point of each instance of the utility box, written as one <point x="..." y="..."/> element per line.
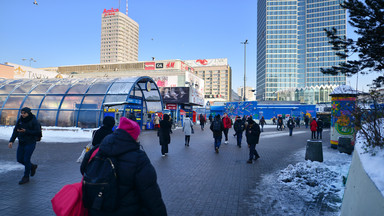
<point x="314" y="150"/>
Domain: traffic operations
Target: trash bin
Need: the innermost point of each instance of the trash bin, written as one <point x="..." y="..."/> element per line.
<point x="345" y="145"/>
<point x="314" y="150"/>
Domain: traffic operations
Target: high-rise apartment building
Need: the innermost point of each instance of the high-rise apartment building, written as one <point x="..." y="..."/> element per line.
<point x="217" y="76"/>
<point x="119" y="37"/>
<point x="292" y="45"/>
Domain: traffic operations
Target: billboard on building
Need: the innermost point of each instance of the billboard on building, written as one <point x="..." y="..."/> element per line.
<point x="166" y="81"/>
<point x="175" y="94"/>
<point x="207" y="62"/>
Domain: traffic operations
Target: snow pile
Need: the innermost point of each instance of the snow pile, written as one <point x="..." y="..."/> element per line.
<point x="312" y="179"/>
<point x="344" y="89"/>
<point x="55" y="134"/>
<point x="372" y="160"/>
<point x="305" y="187"/>
<point x="6" y="166"/>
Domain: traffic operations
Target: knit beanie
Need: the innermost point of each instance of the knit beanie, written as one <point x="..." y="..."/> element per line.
<point x="130" y="127"/>
<point x="109" y="121"/>
<point x="27" y="110"/>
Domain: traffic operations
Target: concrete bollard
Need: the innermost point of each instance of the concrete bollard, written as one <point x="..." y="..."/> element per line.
<point x="314" y="150"/>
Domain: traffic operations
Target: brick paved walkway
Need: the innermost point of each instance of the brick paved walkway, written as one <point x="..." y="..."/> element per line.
<point x="194" y="180"/>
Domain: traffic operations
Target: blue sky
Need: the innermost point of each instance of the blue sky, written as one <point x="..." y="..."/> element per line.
<point x="58" y="33"/>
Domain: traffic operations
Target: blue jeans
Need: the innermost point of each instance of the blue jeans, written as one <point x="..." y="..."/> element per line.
<point x="253" y="152"/>
<point x="239" y="138"/>
<point x="217" y="142"/>
<point x="24" y="154"/>
<point x="290" y="131"/>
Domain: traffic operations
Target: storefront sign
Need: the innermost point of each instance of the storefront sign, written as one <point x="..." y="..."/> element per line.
<point x="110" y="12"/>
<point x="159" y="65"/>
<point x="149" y="65"/>
<point x="171" y="106"/>
<point x="170" y="65"/>
<point x="134" y="101"/>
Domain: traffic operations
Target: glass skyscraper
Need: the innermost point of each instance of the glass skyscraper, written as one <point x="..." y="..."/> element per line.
<point x="292" y="45"/>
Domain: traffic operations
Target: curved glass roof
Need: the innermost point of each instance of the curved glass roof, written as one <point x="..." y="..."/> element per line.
<point x="76" y="102"/>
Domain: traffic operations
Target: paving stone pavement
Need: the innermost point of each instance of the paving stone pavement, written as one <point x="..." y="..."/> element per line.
<point x="193" y="180"/>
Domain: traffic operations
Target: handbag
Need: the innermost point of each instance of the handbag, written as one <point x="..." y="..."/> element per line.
<point x="68" y="201"/>
<point x="85" y="150"/>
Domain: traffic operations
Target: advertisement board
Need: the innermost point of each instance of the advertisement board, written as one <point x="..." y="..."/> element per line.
<point x="175" y="94"/>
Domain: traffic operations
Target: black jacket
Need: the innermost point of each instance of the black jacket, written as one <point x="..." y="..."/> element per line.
<point x="217" y="134"/>
<point x="100" y="133"/>
<point x="139" y="193"/>
<point x="320" y="125"/>
<point x="253" y="133"/>
<point x="164" y="132"/>
<point x="32" y="130"/>
<point x="290" y="123"/>
<point x="239" y="126"/>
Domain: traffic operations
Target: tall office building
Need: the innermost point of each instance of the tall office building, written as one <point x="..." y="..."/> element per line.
<point x="292" y="45"/>
<point x="119" y="37"/>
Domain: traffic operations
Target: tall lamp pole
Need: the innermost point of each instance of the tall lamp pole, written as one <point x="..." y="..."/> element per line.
<point x="245" y="61"/>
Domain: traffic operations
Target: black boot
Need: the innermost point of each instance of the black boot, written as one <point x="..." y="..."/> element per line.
<point x="24" y="180"/>
<point x="33" y="169"/>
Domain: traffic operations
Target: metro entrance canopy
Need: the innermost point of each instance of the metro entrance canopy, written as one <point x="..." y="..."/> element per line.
<point x="78" y="102"/>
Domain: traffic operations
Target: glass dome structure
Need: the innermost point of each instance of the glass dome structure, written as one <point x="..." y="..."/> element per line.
<point x="78" y="102"/>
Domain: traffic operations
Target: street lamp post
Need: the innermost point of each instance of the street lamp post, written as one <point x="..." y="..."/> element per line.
<point x="30" y="61"/>
<point x="245" y="61"/>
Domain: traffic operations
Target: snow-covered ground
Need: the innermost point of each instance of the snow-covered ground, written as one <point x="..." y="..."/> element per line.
<point x="304" y="188"/>
<point x="55" y="134"/>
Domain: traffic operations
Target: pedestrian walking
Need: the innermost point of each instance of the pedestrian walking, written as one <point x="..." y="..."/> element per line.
<point x="313" y="127"/>
<point x="290" y="125"/>
<point x="227" y="125"/>
<point x="217" y="127"/>
<point x="164" y="134"/>
<point x="210" y="118"/>
<point x="202" y="121"/>
<point x="138" y="191"/>
<point x="156" y="121"/>
<point x="188" y="130"/>
<point x="26" y="130"/>
<point x="104" y="130"/>
<point x="306" y="121"/>
<point x="298" y="122"/>
<point x="239" y="128"/>
<point x="274" y="120"/>
<point x="262" y="123"/>
<point x="320" y="125"/>
<point x="252" y="134"/>
<point x="280" y="123"/>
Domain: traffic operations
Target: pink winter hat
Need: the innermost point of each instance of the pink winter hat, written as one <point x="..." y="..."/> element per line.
<point x="130" y="127"/>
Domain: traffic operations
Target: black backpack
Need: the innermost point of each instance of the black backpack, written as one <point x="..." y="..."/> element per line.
<point x="38" y="137"/>
<point x="100" y="187"/>
<point x="216" y="126"/>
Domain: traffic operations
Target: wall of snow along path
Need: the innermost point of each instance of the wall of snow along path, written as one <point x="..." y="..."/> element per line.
<point x="364" y="191"/>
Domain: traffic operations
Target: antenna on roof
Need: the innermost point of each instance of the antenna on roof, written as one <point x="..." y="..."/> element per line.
<point x="119" y="5"/>
<point x="126" y="7"/>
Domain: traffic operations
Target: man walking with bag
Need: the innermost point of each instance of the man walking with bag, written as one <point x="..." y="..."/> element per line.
<point x="217" y="127"/>
<point x="188" y="130"/>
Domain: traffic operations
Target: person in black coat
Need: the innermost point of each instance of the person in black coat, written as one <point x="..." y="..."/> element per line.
<point x="217" y="127"/>
<point x="164" y="134"/>
<point x="139" y="194"/>
<point x="202" y="121"/>
<point x="239" y="128"/>
<point x="319" y="129"/>
<point x="253" y="135"/>
<point x="290" y="125"/>
<point x="26" y="130"/>
<point x="103" y="131"/>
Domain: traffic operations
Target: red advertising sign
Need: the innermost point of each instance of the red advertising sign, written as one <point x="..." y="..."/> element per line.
<point x="171" y="106"/>
<point x="110" y="12"/>
<point x="149" y="65"/>
<point x="202" y="61"/>
<point x="170" y="65"/>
